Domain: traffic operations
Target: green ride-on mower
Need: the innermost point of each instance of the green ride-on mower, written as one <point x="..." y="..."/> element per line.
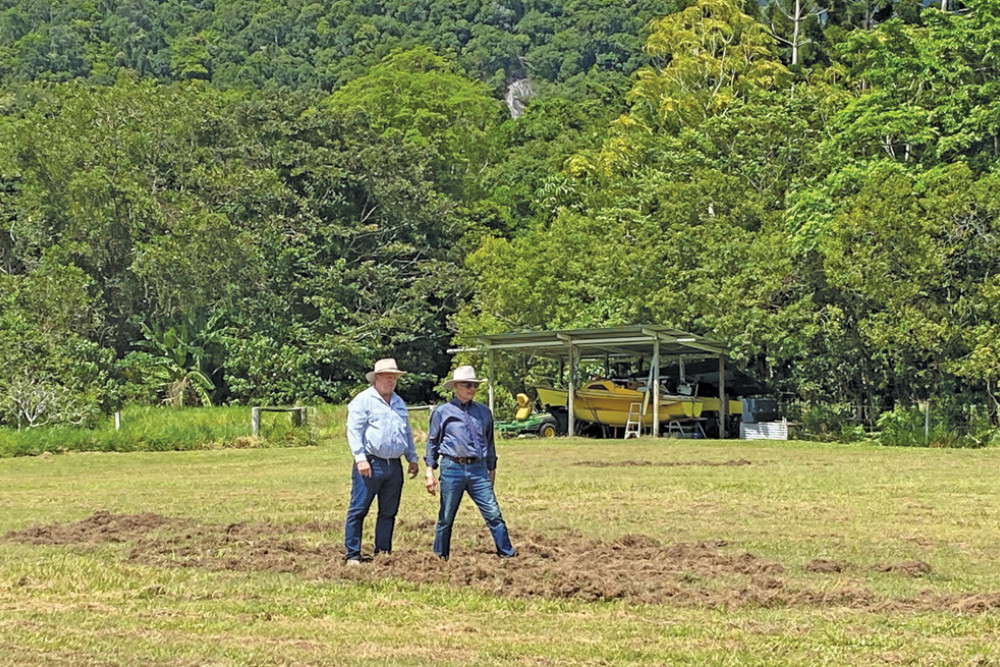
<point x="528" y="423"/>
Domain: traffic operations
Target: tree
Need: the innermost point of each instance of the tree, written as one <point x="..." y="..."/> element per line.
<point x="49" y="372"/>
<point x="190" y="56"/>
<point x="416" y="98"/>
<point x="178" y="358"/>
<point x="704" y="59"/>
<point x="788" y="21"/>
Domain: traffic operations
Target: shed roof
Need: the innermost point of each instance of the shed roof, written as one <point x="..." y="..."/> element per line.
<point x="632" y="342"/>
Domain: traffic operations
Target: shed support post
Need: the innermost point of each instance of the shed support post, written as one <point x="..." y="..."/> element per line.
<point x="571" y="422"/>
<point x="656" y="388"/>
<point x="491" y="377"/>
<point x="723" y="401"/>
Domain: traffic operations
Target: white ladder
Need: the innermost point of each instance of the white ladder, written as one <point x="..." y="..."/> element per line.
<point x="633" y="425"/>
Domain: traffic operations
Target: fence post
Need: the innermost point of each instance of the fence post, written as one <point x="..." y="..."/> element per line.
<point x="311" y="423"/>
<point x="927" y="422"/>
<point x="255" y="421"/>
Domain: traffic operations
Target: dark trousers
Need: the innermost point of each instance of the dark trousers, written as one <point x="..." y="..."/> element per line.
<point x="385" y="483"/>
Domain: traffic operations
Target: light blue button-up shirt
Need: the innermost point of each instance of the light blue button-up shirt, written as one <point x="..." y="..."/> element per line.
<point x="377" y="428"/>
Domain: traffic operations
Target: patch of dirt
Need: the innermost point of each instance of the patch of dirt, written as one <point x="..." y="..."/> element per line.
<point x="980" y="603"/>
<point x="923" y="541"/>
<point x="635" y="568"/>
<point x="827" y="565"/>
<point x="909" y="568"/>
<point x="665" y="464"/>
<point x="102" y="527"/>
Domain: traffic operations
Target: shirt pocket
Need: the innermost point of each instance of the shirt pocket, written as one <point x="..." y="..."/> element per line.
<point x="388" y="423"/>
<point x="477" y="427"/>
<point x="376" y="421"/>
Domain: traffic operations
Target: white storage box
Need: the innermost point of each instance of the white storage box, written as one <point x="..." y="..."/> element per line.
<point x="764" y="430"/>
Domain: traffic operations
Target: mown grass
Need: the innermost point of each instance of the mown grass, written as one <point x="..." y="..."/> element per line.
<point x="792" y="503"/>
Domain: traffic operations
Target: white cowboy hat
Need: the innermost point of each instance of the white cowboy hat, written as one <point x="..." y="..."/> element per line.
<point x="387" y="366"/>
<point x="462" y="374"/>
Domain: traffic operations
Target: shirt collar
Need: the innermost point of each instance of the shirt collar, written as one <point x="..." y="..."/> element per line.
<point x="374" y="392"/>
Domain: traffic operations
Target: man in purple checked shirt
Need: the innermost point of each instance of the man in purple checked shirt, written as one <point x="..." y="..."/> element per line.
<point x="461" y="435"/>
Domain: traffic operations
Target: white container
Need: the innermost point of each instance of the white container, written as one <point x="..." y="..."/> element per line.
<point x="764" y="430"/>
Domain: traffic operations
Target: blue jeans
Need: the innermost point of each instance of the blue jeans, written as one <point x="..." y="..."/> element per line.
<point x="456" y="479"/>
<point x="386" y="482"/>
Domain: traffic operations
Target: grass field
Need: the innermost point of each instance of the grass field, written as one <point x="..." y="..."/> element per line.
<point x="631" y="553"/>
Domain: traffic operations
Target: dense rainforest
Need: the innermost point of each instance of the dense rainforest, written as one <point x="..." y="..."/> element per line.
<point x="245" y="201"/>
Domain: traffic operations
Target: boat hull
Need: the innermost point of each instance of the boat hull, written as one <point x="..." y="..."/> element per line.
<point x="602" y="402"/>
<point x="712" y="405"/>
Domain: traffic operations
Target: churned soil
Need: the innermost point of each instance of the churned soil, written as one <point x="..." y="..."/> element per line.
<point x="827" y="565"/>
<point x="908" y="568"/>
<point x="634" y="568"/>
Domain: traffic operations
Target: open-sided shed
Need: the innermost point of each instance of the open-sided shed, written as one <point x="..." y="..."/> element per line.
<point x="649" y="343"/>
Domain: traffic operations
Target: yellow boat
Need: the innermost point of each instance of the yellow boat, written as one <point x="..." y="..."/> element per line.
<point x="604" y="402"/>
<point x="712" y="405"/>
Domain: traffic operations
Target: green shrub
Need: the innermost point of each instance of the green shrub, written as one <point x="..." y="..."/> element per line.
<point x="949" y="425"/>
<point x="853" y="433"/>
<point x="826" y="421"/>
<point x="902" y="426"/>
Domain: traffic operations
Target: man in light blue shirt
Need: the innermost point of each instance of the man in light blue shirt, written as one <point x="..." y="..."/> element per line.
<point x="378" y="433"/>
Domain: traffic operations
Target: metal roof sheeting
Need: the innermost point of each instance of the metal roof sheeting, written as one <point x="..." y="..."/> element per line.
<point x="634" y="341"/>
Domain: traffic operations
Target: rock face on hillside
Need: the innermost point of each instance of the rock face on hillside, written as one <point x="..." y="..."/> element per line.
<point x="517" y="95"/>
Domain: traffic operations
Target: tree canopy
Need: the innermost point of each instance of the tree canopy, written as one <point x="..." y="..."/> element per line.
<point x="239" y="202"/>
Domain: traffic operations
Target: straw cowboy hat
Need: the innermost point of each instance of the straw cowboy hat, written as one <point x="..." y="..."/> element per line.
<point x="387" y="366"/>
<point x="462" y="374"/>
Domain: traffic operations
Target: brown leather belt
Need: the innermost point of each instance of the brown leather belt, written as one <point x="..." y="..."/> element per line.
<point x="464" y="460"/>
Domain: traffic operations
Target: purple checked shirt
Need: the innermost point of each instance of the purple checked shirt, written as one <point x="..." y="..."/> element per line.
<point x="459" y="431"/>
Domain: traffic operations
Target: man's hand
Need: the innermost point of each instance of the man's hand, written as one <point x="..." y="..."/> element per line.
<point x="364" y="468"/>
<point x="493" y="476"/>
<point x="414" y="469"/>
<point x="430" y="482"/>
